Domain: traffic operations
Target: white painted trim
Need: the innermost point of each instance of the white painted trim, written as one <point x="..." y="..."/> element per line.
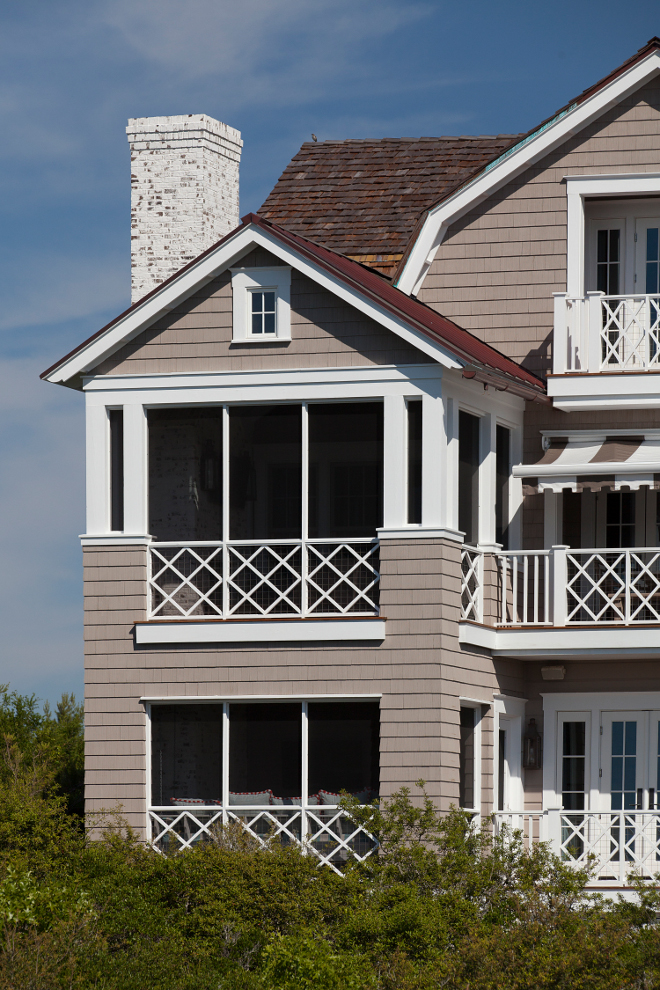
<point x="144" y="314"/>
<point x="477" y="706"/>
<point x="97" y="440"/>
<point x="259" y="631"/>
<point x="530" y="151"/>
<point x="211" y="699"/>
<point x="541" y="642"/>
<point x="136" y="481"/>
<point x="560" y="471"/>
<point x="512" y="711"/>
<point x="419" y="533"/>
<point x="577" y="188"/>
<point x="276" y="279"/>
<point x="395" y="467"/>
<point x="114" y="540"/>
<point x="570" y="393"/>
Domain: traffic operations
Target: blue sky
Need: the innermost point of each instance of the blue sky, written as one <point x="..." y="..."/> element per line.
<point x="72" y="72"/>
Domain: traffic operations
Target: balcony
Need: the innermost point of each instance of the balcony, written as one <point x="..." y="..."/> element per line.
<point x="612" y="844"/>
<point x="250" y="581"/>
<point x="600" y="335"/>
<point x="560" y="601"/>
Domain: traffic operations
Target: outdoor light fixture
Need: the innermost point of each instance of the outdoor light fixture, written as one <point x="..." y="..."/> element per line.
<point x="532" y="747"/>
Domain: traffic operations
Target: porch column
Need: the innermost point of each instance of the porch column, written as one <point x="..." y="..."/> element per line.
<point x="97" y="468"/>
<point x="439" y="463"/>
<point x="135" y="470"/>
<point x="395" y="468"/>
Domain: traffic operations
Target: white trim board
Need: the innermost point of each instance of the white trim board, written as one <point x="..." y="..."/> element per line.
<point x="570" y="393"/>
<point x="209" y="267"/>
<point x="259" y="631"/>
<point x="531" y="150"/>
<point x="540" y="643"/>
<point x="212" y="699"/>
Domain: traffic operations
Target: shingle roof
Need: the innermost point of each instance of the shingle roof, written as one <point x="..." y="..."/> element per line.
<point x="364" y="198"/>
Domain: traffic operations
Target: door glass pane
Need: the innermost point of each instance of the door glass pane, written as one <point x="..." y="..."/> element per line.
<point x="608" y="262"/>
<point x="265" y="472"/>
<point x="652" y="261"/>
<point x="624" y="765"/>
<point x="620" y="519"/>
<point x="343" y="751"/>
<point x="185" y="483"/>
<point x="186" y="754"/>
<point x="345" y="469"/>
<point x="468" y="475"/>
<point x="573" y="765"/>
<point x="466" y="759"/>
<point x="265" y="754"/>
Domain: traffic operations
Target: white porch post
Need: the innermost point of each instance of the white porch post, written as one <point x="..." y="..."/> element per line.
<point x="395" y="468"/>
<point x="135" y="470"/>
<point x="487" y="482"/>
<point x="559" y="582"/>
<point x="595" y="324"/>
<point x="97" y="468"/>
<point x="561" y="362"/>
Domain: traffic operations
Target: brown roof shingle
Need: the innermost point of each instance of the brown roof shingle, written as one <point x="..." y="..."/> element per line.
<point x="363" y="198"/>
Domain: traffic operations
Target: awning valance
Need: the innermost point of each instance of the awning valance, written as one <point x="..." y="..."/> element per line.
<point x="594" y="461"/>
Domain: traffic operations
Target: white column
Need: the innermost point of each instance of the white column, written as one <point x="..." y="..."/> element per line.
<point x="561" y="362"/>
<point x="487" y="481"/>
<point x="515" y="493"/>
<point x="395" y="468"/>
<point x="135" y="470"/>
<point x="98" y="468"/>
<point x="595" y="324"/>
<point x="440" y="489"/>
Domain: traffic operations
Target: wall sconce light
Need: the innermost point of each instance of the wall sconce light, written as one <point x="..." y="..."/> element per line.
<point x="532" y="747"/>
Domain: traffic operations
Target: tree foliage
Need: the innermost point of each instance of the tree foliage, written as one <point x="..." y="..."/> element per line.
<point x="444" y="904"/>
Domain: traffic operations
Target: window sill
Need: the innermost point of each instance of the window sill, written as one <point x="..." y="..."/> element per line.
<point x="258" y="630"/>
<point x="260" y="341"/>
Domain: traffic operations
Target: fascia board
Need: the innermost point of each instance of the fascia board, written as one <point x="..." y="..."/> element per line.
<point x="208" y="268"/>
<point x="601" y="467"/>
<point x="488" y="183"/>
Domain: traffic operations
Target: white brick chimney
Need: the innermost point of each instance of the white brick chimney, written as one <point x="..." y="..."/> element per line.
<point x="184" y="192"/>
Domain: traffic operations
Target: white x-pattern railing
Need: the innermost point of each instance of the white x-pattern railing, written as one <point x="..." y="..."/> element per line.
<point x="250" y="578"/>
<point x="327" y="833"/>
<point x="564" y="587"/>
<point x="596" y="332"/>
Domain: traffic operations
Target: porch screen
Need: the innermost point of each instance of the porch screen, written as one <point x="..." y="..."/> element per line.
<point x="466" y="759"/>
<point x="343" y="750"/>
<point x="265" y="753"/>
<point x="468" y="475"/>
<point x="186" y="754"/>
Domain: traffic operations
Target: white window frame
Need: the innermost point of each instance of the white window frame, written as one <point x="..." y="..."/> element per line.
<point x="509" y="714"/>
<point x="480" y="708"/>
<point x="244" y="281"/>
<point x="578" y="187"/>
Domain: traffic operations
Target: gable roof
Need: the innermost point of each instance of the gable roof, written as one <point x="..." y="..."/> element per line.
<point x="420" y="325"/>
<point x="363" y="198"/>
<point x="549" y="134"/>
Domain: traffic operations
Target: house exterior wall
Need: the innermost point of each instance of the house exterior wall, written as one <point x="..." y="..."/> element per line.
<point x="498" y="266"/>
<point x="419" y="669"/>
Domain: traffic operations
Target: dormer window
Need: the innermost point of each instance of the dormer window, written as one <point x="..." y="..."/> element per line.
<point x="261" y="305"/>
<point x="263" y="312"/>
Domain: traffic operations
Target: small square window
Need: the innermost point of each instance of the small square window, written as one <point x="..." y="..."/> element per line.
<point x="263" y="313"/>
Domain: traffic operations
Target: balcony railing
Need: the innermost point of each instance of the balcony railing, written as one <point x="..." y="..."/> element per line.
<point x="596" y="333"/>
<point x="561" y="587"/>
<point x="326" y="833"/>
<point x="612" y="844"/>
<point x="247" y="578"/>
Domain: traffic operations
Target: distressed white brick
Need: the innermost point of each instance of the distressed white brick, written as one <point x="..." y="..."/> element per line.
<point x="184" y="192"/>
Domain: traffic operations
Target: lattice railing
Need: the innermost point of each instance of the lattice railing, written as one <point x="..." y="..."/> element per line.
<point x="327" y="833"/>
<point x="621" y="586"/>
<point x="250" y="578"/>
<point x="618" y="841"/>
<point x="472" y="579"/>
<point x="596" y="333"/>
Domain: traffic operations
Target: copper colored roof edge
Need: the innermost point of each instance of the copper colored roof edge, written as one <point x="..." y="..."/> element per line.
<point x="461" y="342"/>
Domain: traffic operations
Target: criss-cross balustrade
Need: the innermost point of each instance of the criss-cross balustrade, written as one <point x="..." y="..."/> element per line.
<point x="472" y="579"/>
<point x="244" y="578"/>
<point x="596" y="332"/>
<point x="325" y="832"/>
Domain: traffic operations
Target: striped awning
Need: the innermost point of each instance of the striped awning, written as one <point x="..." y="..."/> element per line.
<point x="592" y="461"/>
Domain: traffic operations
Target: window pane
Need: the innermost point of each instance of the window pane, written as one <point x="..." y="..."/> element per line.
<point x="468" y="475"/>
<point x="256" y="322"/>
<point x="466" y="759"/>
<point x="269" y="302"/>
<point x="186" y="754"/>
<point x="117" y="470"/>
<point x="257" y="302"/>
<point x="414" y="462"/>
<point x="503" y="470"/>
<point x="265" y="475"/>
<point x="345" y="469"/>
<point x="573" y="765"/>
<point x="501" y="770"/>
<point x="265" y="753"/>
<point x="269" y="323"/>
<point x="185" y="484"/>
<point x="343" y="750"/>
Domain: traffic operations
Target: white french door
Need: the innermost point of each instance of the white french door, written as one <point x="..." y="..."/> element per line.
<point x="630" y="760"/>
<point x="647" y="255"/>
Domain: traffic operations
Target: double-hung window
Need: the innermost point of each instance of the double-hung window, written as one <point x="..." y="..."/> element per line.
<point x="261" y="305"/>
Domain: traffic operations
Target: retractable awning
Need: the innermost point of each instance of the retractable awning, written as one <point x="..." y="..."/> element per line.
<point x="581" y="461"/>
